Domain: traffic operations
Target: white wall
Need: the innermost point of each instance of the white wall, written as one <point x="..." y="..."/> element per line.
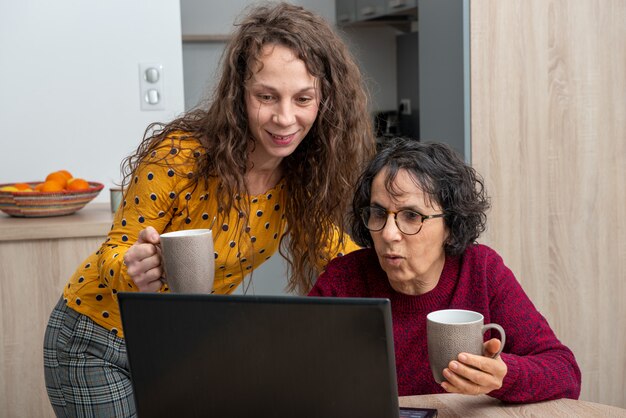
<point x="69" y="83"/>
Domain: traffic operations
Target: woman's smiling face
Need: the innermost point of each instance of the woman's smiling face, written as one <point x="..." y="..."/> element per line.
<point x="282" y="101"/>
<point x="413" y="263"/>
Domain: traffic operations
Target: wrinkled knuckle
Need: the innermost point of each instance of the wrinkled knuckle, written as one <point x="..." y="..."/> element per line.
<point x="504" y="369"/>
<point x="132" y="270"/>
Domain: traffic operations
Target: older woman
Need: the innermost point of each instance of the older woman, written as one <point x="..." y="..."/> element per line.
<point x="419" y="208"/>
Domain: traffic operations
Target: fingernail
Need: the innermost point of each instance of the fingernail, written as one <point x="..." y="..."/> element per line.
<point x="462" y="357"/>
<point x="454" y="365"/>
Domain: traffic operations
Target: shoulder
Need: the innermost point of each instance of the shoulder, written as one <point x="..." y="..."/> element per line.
<point x="353" y="259"/>
<point x="481" y="255"/>
<point x="177" y="154"/>
<point x="483" y="263"/>
<point x="357" y="264"/>
<point x="177" y="146"/>
<point x="346" y="275"/>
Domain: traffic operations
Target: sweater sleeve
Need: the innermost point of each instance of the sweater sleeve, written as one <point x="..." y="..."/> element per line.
<point x="539" y="366"/>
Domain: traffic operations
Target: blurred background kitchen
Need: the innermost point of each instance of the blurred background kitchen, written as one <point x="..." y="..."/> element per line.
<point x="531" y="92"/>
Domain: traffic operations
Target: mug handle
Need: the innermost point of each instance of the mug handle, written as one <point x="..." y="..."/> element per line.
<point x="502" y="336"/>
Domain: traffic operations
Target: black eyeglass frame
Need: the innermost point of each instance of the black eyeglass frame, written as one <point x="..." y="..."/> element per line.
<point x="365" y="214"/>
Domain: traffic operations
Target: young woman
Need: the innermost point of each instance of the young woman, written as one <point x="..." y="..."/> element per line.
<point x="267" y="165"/>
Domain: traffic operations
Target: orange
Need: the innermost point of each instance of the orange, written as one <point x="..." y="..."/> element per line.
<point x="59" y="177"/>
<point x="22" y="186"/>
<point x="77" y="184"/>
<point x="50" y="186"/>
<point x="66" y="173"/>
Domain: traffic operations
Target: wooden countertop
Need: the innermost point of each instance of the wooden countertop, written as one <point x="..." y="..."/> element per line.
<point x="453" y="405"/>
<point x="94" y="220"/>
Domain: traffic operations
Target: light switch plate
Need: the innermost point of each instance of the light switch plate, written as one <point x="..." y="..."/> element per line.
<point x="151" y="86"/>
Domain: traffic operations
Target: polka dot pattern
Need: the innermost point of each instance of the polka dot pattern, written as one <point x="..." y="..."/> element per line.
<point x="160" y="195"/>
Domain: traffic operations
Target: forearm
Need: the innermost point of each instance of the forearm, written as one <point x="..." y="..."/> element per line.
<point x="552" y="374"/>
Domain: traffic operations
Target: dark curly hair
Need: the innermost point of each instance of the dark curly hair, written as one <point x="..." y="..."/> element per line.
<point x="443" y="177"/>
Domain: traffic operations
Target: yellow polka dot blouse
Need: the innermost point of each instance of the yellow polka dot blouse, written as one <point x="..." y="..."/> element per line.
<point x="158" y="196"/>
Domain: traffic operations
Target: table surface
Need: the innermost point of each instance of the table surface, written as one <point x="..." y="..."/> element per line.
<point x="453" y="405"/>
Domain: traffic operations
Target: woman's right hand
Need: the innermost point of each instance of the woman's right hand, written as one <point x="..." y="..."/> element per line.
<point x="144" y="262"/>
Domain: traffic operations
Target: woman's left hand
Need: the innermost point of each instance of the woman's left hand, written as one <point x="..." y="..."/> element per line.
<point x="476" y="375"/>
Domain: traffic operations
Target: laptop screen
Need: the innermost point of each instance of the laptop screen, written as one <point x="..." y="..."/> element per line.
<point x="269" y="356"/>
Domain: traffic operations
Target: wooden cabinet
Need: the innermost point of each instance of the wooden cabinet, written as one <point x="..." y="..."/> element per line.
<point x="548" y="127"/>
<point x="37" y="257"/>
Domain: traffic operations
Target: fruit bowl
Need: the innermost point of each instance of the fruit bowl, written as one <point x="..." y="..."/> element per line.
<point x="34" y="204"/>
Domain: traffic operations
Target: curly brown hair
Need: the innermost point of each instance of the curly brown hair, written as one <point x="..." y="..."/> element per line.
<point x="322" y="171"/>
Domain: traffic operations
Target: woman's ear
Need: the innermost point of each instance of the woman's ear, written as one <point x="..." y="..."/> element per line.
<point x="446" y="238"/>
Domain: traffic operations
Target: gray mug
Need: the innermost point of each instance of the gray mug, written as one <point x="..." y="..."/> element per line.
<point x="454" y="331"/>
<point x="189" y="260"/>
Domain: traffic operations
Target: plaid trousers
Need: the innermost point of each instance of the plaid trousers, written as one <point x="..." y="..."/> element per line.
<point x="86" y="368"/>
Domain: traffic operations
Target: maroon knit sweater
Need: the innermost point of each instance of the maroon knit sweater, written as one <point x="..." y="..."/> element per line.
<point x="539" y="366"/>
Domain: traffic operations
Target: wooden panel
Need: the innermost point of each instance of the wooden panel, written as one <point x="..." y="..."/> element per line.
<point x="32" y="276"/>
<point x="548" y="82"/>
<point x="454" y="405"/>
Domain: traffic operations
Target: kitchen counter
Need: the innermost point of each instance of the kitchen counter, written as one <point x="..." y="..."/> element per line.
<point x="91" y="221"/>
<point x="37" y="257"/>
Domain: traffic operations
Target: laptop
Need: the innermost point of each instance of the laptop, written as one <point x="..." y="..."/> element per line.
<point x="264" y="356"/>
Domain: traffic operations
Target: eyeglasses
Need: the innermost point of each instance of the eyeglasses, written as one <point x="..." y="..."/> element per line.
<point x="408" y="222"/>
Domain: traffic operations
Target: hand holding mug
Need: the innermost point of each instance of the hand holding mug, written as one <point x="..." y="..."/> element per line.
<point x="143" y="261"/>
<point x="459" y="359"/>
<point x="472" y="374"/>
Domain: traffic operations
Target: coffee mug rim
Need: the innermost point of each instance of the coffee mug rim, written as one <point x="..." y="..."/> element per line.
<point x="186" y="233"/>
<point x="430" y="317"/>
